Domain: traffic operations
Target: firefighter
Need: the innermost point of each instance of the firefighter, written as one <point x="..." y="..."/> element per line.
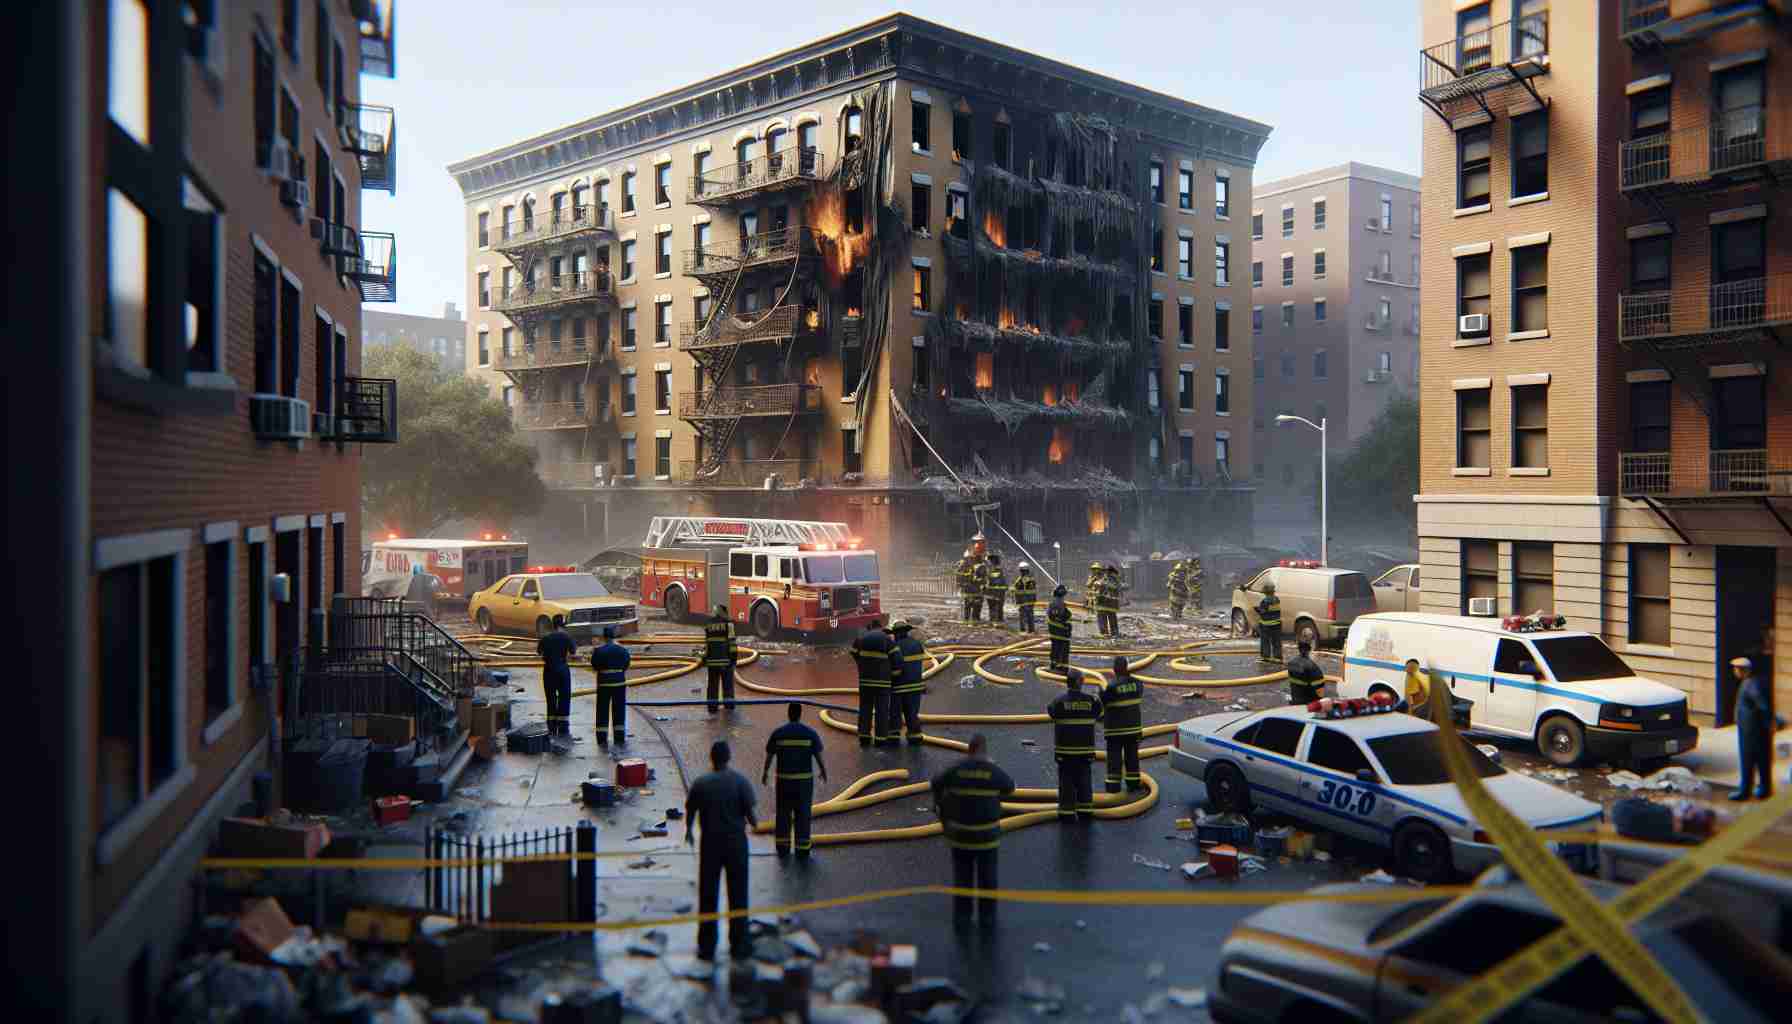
<point x="967" y="592"/>
<point x="1269" y="625"/>
<point x="556" y="675"/>
<point x="1026" y="591"/>
<point x="1057" y="625"/>
<point x="908" y="659"/>
<point x="1074" y="715"/>
<point x="1122" y="727"/>
<point x="1306" y="680"/>
<point x="872" y="652"/>
<point x="610" y="662"/>
<point x="722" y="804"/>
<point x="1178" y="590"/>
<point x="796" y="749"/>
<point x="979" y="586"/>
<point x="995" y="588"/>
<point x="1092" y="584"/>
<point x="968" y="797"/>
<point x="1194" y="582"/>
<point x="721" y="648"/>
<point x="1108" y="603"/>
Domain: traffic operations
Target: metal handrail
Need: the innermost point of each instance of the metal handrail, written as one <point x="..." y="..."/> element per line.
<point x="1724" y="306"/>
<point x="1731" y="140"/>
<point x="549" y="415"/>
<point x="538" y="355"/>
<point x="543" y="226"/>
<point x="776" y="325"/>
<point x="1476" y="52"/>
<point x="765" y="247"/>
<point x="530" y="293"/>
<point x="751" y="472"/>
<point x="771" y="169"/>
<point x="1728" y="471"/>
<point x="761" y="400"/>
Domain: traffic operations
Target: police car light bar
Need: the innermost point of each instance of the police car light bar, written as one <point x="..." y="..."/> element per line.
<point x="1298" y="563"/>
<point x="552" y="568"/>
<point x="1536" y="622"/>
<point x="1350" y="707"/>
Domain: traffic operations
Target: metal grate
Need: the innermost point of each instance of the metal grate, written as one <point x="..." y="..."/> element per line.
<point x="1645" y="472"/>
<point x="1482" y="60"/>
<point x="1735" y="140"/>
<point x="764" y="400"/>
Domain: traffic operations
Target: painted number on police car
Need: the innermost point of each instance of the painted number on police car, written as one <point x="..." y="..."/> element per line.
<point x="1347" y="798"/>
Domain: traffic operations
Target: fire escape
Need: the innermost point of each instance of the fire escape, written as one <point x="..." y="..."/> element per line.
<point x="786" y="256"/>
<point x="1457" y="77"/>
<point x="557" y="285"/>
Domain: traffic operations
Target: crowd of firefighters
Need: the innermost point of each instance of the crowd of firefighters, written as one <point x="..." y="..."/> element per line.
<point x="983" y="582"/>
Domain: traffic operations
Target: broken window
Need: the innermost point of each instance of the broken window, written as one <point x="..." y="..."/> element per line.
<point x="961" y="135"/>
<point x="855" y="129"/>
<point x="1154" y="318"/>
<point x="986" y="371"/>
<point x="1001" y="146"/>
<point x="958" y="214"/>
<point x="1185" y="325"/>
<point x="923" y="290"/>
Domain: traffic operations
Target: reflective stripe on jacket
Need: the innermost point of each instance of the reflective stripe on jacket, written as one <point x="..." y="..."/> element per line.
<point x="1120" y="705"/>
<point x="1057" y="620"/>
<point x="1073" y="723"/>
<point x="909" y="660"/>
<point x="719" y="645"/>
<point x="610" y="662"/>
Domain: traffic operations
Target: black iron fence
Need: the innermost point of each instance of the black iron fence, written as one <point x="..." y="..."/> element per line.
<point x="488" y="882"/>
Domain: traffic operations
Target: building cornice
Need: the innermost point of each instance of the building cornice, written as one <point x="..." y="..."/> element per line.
<point x="884" y="48"/>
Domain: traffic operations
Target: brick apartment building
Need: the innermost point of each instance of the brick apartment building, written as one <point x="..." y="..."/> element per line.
<point x="1609" y="210"/>
<point x="442" y="337"/>
<point x="214" y="421"/>
<point x="1335" y="312"/>
<point x="744" y="279"/>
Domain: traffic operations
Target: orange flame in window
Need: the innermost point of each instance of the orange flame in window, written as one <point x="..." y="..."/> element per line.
<point x="1059" y="450"/>
<point x="995" y="229"/>
<point x="1098" y="517"/>
<point x="1050" y="397"/>
<point x="986" y="371"/>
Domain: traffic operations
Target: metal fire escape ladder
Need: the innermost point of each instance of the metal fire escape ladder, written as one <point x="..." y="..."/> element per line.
<point x="718" y="432"/>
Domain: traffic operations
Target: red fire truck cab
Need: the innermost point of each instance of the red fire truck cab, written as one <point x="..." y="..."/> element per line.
<point x="773" y="574"/>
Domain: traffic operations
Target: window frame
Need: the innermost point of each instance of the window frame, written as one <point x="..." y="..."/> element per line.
<point x="1637" y="599"/>
<point x="1464" y="432"/>
<point x="1288" y="271"/>
<point x="1222" y="393"/>
<point x="1185" y="189"/>
<point x="1529" y="170"/>
<point x="1482" y="133"/>
<point x="1319" y="215"/>
<point x="1524" y="398"/>
<point x="1523" y="580"/>
<point x="1256" y="227"/>
<point x="1185" y="389"/>
<point x="1222" y="197"/>
<point x="1473" y="569"/>
<point x="1522" y="259"/>
<point x="1154" y="182"/>
<point x="1287" y="222"/>
<point x="1222" y="328"/>
<point x="1463" y="297"/>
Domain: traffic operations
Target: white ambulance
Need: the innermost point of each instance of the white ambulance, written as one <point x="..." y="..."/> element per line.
<point x="1529" y="678"/>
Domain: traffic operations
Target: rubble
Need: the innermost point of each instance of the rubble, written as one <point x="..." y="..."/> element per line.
<point x="1041" y="996"/>
<point x="1675" y="778"/>
<point x="220" y="983"/>
<point x="1187" y="998"/>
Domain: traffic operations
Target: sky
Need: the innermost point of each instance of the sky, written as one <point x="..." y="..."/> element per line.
<point x="1335" y="81"/>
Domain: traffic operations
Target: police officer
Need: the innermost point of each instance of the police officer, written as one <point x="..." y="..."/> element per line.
<point x="872" y="652"/>
<point x="1121" y="726"/>
<point x="1107" y="603"/>
<point x="1057" y="627"/>
<point x="722" y="802"/>
<point x="1194" y="582"/>
<point x="610" y="662"/>
<point x="967" y="585"/>
<point x="1178" y="589"/>
<point x="556" y="675"/>
<point x="995" y="588"/>
<point x="1074" y="714"/>
<point x="1026" y="591"/>
<point x="908" y="660"/>
<point x="721" y="647"/>
<point x="1269" y="625"/>
<point x="968" y="797"/>
<point x="1306" y="680"/>
<point x="1754" y="731"/>
<point x="795" y="748"/>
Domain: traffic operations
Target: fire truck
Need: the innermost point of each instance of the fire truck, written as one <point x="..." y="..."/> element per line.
<point x="773" y="574"/>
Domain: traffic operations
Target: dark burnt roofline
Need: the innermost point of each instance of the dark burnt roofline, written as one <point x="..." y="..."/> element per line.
<point x="580" y="137"/>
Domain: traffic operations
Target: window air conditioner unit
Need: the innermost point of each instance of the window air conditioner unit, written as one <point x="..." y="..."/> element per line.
<point x="279" y="418"/>
<point x="1473" y="323"/>
<point x="1482" y="606"/>
<point x="296" y="194"/>
<point x="280" y="159"/>
<point x="1375" y="377"/>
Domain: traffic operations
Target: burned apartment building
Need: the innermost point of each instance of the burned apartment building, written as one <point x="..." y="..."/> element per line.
<point x="898" y="270"/>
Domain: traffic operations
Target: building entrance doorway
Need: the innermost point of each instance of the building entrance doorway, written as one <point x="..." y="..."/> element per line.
<point x="1745" y="592"/>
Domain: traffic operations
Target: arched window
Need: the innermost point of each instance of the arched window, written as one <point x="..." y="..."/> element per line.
<point x="744" y="152"/>
<point x="578" y="201"/>
<point x="774" y="141"/>
<point x="855" y="128"/>
<point x="528" y="213"/>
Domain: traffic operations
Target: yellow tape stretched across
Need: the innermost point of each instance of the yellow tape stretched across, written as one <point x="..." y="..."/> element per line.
<point x="1588" y="920"/>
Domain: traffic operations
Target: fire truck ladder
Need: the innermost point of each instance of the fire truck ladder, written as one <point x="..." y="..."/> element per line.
<point x="675" y="531"/>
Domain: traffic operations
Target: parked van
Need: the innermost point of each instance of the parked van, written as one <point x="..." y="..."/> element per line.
<point x="1318" y="605"/>
<point x="1564" y="689"/>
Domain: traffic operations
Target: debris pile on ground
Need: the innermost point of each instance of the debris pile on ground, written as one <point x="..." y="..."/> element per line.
<point x="1676" y="778"/>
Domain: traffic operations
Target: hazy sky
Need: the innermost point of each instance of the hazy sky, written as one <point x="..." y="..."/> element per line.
<point x="1336" y="81"/>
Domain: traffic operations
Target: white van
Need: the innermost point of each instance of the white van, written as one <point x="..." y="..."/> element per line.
<point x="1564" y="689"/>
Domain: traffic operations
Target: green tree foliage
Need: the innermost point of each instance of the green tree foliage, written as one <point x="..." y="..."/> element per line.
<point x="1375" y="482"/>
<point x="457" y="456"/>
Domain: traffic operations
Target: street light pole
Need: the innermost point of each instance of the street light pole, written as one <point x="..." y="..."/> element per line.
<point x="1324" y="498"/>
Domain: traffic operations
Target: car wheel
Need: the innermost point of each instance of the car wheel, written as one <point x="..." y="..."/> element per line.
<point x="484" y="618"/>
<point x="1422" y="851"/>
<point x="1562" y="740"/>
<point x="1305" y="631"/>
<point x="1227" y="790"/>
<point x="765" y="621"/>
<point x="543" y="626"/>
<point x="1241" y="626"/>
<point x="678" y="605"/>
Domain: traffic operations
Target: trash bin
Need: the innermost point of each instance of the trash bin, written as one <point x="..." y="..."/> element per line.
<point x="298" y="772"/>
<point x="336" y="785"/>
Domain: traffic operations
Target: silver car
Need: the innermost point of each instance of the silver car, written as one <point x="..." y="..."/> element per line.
<point x="1322" y="961"/>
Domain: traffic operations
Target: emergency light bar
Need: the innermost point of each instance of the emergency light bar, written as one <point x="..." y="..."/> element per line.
<point x="552" y="568"/>
<point x="1536" y="622"/>
<point x="818" y="546"/>
<point x="1298" y="563"/>
<point x="1350" y="707"/>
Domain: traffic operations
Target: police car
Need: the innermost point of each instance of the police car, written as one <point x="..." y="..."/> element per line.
<point x="1358" y="768"/>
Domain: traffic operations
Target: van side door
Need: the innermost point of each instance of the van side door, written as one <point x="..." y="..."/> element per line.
<point x="1413" y="591"/>
<point x="1253" y="593"/>
<point x="1512" y="705"/>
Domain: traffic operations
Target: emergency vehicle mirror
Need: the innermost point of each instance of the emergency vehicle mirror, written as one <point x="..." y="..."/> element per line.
<point x="1366" y="775"/>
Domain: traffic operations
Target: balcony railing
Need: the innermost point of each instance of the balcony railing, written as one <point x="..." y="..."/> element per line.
<point x="1648" y="24"/>
<point x="549" y="415"/>
<point x="371" y="133"/>
<point x="548" y="292"/>
<point x="379" y="42"/>
<point x="1381" y="276"/>
<point x="542" y="227"/>
<point x="1487" y="59"/>
<point x="569" y="474"/>
<point x="762" y="400"/>
<point x="780" y="324"/>
<point x="1727" y="473"/>
<point x="738" y="180"/>
<point x="1642" y="14"/>
<point x="369" y="412"/>
<point x="375" y="270"/>
<point x="1690" y="314"/>
<point x="768" y="247"/>
<point x="752" y="472"/>
<point x="1735" y="140"/>
<point x="543" y="355"/>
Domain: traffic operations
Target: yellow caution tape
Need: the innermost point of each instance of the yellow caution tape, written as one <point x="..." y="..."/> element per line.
<point x="1588" y="920"/>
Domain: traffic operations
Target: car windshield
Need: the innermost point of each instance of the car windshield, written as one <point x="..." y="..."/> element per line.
<point x="862" y="567"/>
<point x="1415" y="759"/>
<point x="1579" y="659"/>
<point x="822" y="569"/>
<point x="571" y="586"/>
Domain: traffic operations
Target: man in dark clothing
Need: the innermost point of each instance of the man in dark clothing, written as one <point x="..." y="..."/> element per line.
<point x="908" y="661"/>
<point x="995" y="588"/>
<point x="872" y="652"/>
<point x="610" y="662"/>
<point x="1057" y="626"/>
<point x="1026" y="591"/>
<point x="1269" y="625"/>
<point x="979" y="586"/>
<point x="723" y="801"/>
<point x="968" y="797"/>
<point x="720" y="649"/>
<point x="556" y="675"/>
<point x="1754" y="731"/>
<point x="1074" y="715"/>
<point x="1306" y="680"/>
<point x="1122" y="726"/>
<point x="1107" y="603"/>
<point x="795" y="748"/>
<point x="967" y="585"/>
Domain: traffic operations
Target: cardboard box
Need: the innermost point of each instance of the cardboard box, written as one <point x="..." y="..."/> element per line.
<point x="489" y="719"/>
<point x="386" y="730"/>
<point x="450" y="959"/>
<point x="261" y="928"/>
<point x="255" y="837"/>
<point x="372" y="924"/>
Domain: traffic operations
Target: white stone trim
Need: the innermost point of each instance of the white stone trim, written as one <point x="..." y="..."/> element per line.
<point x="1185" y="233"/>
<point x="1185" y="164"/>
<point x="700" y="292"/>
<point x="1649" y="230"/>
<point x="663" y="157"/>
<point x="1528" y="335"/>
<point x="630" y="304"/>
<point x="1471" y="383"/>
<point x="917" y="178"/>
<point x="657" y="367"/>
<point x="1645" y="376"/>
<point x="919" y="341"/>
<point x="1645" y="84"/>
<point x="1227" y="239"/>
<point x="1740" y="213"/>
<point x="1225" y="304"/>
<point x="699" y="218"/>
<point x="1222" y="435"/>
<point x="1519" y="380"/>
<point x="957" y="186"/>
<point x="287" y="524"/>
<point x="1736" y="60"/>
<point x="339" y="517"/>
<point x="1222" y="173"/>
<point x="1528" y="471"/>
<point x="1222" y="371"/>
<point x="631" y="235"/>
<point x="628" y="371"/>
<point x="315" y="520"/>
<point x="700" y="146"/>
<point x="1522" y="106"/>
<point x="112" y="552"/>
<point x="665" y="433"/>
<point x="808" y="117"/>
<point x="1472" y="471"/>
<point x="1521" y="241"/>
<point x="743" y="135"/>
<point x="1725" y="370"/>
<point x="662" y="229"/>
<point x="1185" y="300"/>
<point x="215" y="532"/>
<point x="256" y="535"/>
<point x="1472" y="249"/>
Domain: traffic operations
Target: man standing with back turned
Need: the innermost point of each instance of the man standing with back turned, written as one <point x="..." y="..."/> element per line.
<point x="1121" y="726"/>
<point x="908" y="663"/>
<point x="720" y="649"/>
<point x="1057" y="627"/>
<point x="556" y="675"/>
<point x="968" y="797"/>
<point x="1074" y="715"/>
<point x="722" y="802"/>
<point x="610" y="662"/>
<point x="872" y="653"/>
<point x="795" y="748"/>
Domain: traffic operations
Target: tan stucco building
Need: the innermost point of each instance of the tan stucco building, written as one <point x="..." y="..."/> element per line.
<point x="717" y="300"/>
<point x="1609" y="260"/>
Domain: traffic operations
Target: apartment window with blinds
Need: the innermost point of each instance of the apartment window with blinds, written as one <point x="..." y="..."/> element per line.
<point x="1530" y="288"/>
<point x="1650" y="601"/>
<point x="1480" y="571"/>
<point x="1185" y="258"/>
<point x="1287" y="271"/>
<point x="1154" y="318"/>
<point x="1474" y="428"/>
<point x="1256" y="273"/>
<point x="1474" y="177"/>
<point x="1222" y="393"/>
<point x="1318" y="266"/>
<point x="1533" y="577"/>
<point x="1530" y="426"/>
<point x="1256" y="227"/>
<point x="1287" y="222"/>
<point x="1185" y="190"/>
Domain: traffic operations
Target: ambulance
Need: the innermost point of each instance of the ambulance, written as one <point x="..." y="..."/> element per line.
<point x="464" y="567"/>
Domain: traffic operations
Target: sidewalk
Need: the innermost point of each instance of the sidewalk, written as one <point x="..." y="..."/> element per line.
<point x="1717" y="761"/>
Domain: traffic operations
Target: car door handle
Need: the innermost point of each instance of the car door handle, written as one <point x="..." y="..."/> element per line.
<point x="1306" y="783"/>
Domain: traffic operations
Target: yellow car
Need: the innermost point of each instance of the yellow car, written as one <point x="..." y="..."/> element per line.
<point x="527" y="602"/>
